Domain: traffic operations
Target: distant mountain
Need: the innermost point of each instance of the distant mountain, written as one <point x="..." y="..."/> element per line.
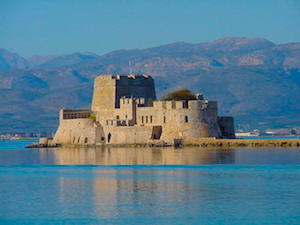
<point x="61" y="60"/>
<point x="9" y="60"/>
<point x="253" y="79"/>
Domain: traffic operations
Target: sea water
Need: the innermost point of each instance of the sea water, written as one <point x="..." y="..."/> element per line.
<point x="148" y="186"/>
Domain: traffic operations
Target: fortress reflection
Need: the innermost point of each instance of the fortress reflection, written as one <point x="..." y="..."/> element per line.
<point x="138" y="156"/>
<point x="113" y="193"/>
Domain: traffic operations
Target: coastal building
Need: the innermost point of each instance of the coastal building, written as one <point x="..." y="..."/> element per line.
<point x="125" y="111"/>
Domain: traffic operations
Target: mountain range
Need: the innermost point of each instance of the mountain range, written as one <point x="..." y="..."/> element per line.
<point x="253" y="79"/>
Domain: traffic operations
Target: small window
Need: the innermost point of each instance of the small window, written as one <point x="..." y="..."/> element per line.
<point x="142" y="119"/>
<point x="173" y="105"/>
<point x="127" y="100"/>
<point x="146" y="119"/>
<point x="150" y="119"/>
<point x="118" y="117"/>
<point x="86" y="140"/>
<point x="102" y="138"/>
<point x="108" y="137"/>
<point x="185" y="104"/>
<point x="164" y="119"/>
<point x="126" y="116"/>
<point x="78" y="140"/>
<point x="186" y="119"/>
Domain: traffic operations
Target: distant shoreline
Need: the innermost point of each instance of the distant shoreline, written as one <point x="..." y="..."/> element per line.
<point x="19" y="139"/>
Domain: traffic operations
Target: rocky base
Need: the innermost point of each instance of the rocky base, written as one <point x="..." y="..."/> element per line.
<point x="200" y="142"/>
<point x="39" y="145"/>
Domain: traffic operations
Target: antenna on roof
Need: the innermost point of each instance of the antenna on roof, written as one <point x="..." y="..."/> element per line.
<point x="130" y="69"/>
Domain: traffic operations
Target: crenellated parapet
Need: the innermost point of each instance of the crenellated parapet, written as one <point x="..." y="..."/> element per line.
<point x="66" y="114"/>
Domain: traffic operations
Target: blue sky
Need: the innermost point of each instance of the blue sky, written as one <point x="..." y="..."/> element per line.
<point x="42" y="27"/>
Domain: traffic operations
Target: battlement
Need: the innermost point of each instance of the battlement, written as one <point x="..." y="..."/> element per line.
<point x="185" y="104"/>
<point x="124" y="102"/>
<point x="121" y="78"/>
<point x="131" y="76"/>
<point x="65" y="114"/>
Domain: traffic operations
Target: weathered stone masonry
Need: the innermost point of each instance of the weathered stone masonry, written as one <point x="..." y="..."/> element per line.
<point x="125" y="111"/>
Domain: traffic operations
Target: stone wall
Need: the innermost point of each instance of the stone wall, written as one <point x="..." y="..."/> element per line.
<point x="79" y="131"/>
<point x="226" y="124"/>
<point x="127" y="134"/>
<point x="104" y="97"/>
<point x="181" y="119"/>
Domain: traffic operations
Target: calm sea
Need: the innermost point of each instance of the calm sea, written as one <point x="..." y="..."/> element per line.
<point x="148" y="186"/>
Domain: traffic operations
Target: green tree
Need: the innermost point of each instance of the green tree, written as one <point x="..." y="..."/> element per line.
<point x="183" y="94"/>
<point x="92" y="117"/>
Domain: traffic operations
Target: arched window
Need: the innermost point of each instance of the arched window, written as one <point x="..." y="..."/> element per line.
<point x="186" y="119"/>
<point x="108" y="137"/>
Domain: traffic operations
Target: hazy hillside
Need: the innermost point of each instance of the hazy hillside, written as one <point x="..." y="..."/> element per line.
<point x="253" y="79"/>
<point x="61" y="60"/>
<point x="9" y="60"/>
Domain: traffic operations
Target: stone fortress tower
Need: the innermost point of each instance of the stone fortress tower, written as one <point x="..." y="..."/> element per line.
<point x="125" y="111"/>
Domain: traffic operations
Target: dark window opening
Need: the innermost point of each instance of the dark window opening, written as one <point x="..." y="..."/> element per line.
<point x="78" y="140"/>
<point x="185" y="104"/>
<point x="85" y="140"/>
<point x="150" y="119"/>
<point x="102" y="138"/>
<point x="146" y="119"/>
<point x="164" y="119"/>
<point x="142" y="119"/>
<point x="186" y="119"/>
<point x="118" y="117"/>
<point x="108" y="137"/>
<point x="156" y="132"/>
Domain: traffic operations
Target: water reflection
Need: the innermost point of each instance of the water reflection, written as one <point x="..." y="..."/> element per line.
<point x="138" y="156"/>
<point x="120" y="195"/>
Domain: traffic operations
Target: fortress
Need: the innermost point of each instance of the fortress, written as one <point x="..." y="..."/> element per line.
<point x="125" y="111"/>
